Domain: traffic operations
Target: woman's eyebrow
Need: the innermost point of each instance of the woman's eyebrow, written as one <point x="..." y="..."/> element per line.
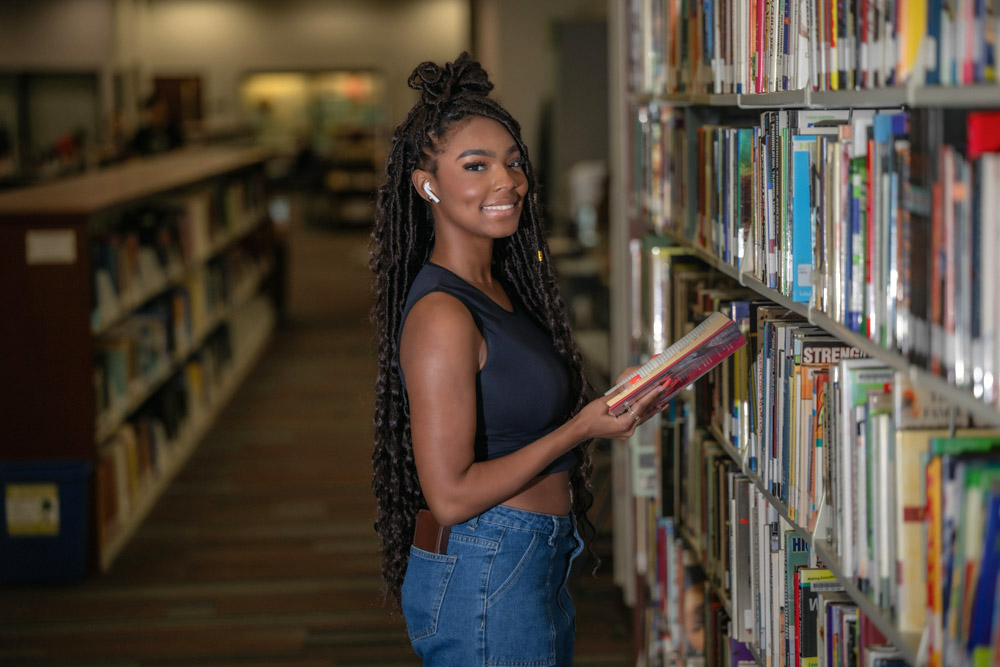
<point x="485" y="152"/>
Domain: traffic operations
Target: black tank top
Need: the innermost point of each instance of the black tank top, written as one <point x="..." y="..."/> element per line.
<point x="523" y="389"/>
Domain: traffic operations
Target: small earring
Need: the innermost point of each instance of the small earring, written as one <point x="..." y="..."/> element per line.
<point x="427" y="189"/>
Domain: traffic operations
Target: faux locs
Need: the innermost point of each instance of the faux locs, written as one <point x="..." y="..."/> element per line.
<point x="401" y="242"/>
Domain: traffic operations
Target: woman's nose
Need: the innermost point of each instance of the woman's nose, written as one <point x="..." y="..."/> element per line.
<point x="507" y="179"/>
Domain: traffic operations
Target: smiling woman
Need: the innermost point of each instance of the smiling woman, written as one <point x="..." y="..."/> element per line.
<point x="481" y="412"/>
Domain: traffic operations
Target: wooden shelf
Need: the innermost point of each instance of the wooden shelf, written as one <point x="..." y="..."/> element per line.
<point x="49" y="397"/>
<point x="127" y="182"/>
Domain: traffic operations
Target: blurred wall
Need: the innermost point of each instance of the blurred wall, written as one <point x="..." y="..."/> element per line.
<point x="518" y="49"/>
<point x="55" y="34"/>
<point x="57" y="37"/>
<point x="223" y="39"/>
<point x="127" y="42"/>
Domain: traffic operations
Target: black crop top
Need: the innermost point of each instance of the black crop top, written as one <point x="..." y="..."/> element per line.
<point x="523" y="389"/>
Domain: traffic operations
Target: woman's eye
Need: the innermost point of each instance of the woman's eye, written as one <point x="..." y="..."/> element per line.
<point x="518" y="163"/>
<point x="474" y="166"/>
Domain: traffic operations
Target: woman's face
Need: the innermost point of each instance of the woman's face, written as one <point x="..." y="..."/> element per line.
<point x="479" y="181"/>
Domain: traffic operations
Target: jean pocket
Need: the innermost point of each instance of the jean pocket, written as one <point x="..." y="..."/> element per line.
<point x="527" y="565"/>
<point x="520" y="608"/>
<point x="424" y="586"/>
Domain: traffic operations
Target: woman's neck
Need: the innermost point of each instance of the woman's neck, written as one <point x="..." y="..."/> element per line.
<point x="473" y="267"/>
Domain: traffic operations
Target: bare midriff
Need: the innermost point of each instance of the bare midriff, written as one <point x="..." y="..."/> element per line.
<point x="548" y="494"/>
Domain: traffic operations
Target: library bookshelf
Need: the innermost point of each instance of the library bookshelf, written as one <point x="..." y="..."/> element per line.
<point x="138" y="298"/>
<point x="846" y="204"/>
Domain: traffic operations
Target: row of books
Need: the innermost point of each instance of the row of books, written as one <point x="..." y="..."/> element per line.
<point x="147" y="448"/>
<point x="760" y="46"/>
<point x="729" y="580"/>
<point x="683" y="621"/>
<point x="851" y="452"/>
<point x="137" y="354"/>
<point x="783" y="603"/>
<point x="132" y="356"/>
<point x="861" y="458"/>
<point x="151" y="247"/>
<point x="686" y="621"/>
<point x="658" y="160"/>
<point x="667" y="283"/>
<point x="883" y="221"/>
<point x="799" y="447"/>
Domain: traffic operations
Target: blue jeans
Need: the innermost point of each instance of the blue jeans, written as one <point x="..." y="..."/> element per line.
<point x="498" y="597"/>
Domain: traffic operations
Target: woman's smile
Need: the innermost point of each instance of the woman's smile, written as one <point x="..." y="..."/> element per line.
<point x="503" y="209"/>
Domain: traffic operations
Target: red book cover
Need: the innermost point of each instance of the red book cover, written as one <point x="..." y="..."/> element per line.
<point x="869" y="223"/>
<point x="967" y="40"/>
<point x="761" y="28"/>
<point x="982" y="133"/>
<point x="797" y="646"/>
<point x="870" y="634"/>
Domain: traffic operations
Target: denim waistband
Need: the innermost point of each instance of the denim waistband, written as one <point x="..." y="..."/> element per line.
<point x="554" y="525"/>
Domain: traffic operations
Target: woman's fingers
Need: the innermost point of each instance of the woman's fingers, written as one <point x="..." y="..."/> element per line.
<point x="646" y="406"/>
<point x="642" y="409"/>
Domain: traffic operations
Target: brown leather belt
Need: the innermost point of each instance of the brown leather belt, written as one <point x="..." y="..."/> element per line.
<point x="429" y="535"/>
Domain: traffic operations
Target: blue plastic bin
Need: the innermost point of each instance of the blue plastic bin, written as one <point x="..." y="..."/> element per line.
<point x="45" y="514"/>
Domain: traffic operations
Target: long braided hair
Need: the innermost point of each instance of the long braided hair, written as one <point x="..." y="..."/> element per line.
<point x="400" y="244"/>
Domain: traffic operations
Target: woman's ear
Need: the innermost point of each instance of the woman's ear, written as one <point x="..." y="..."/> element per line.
<point x="422" y="182"/>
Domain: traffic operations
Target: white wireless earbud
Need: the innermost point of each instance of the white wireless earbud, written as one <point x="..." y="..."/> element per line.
<point x="427" y="189"/>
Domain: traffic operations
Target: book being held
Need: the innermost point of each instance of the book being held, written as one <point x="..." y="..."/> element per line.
<point x="680" y="364"/>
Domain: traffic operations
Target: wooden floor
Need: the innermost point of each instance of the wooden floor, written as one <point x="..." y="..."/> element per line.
<point x="262" y="551"/>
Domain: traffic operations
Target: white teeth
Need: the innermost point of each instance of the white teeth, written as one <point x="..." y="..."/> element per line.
<point x="506" y="207"/>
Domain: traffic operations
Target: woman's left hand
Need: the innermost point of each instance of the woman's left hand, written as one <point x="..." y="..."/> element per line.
<point x="597" y="422"/>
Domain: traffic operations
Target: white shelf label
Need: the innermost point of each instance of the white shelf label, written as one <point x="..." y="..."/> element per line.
<point x="50" y="246"/>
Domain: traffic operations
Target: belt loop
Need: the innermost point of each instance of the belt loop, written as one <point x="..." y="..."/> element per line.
<point x="555" y="532"/>
<point x="473" y="523"/>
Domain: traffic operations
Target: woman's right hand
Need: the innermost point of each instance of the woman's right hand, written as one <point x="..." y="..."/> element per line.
<point x="595" y="421"/>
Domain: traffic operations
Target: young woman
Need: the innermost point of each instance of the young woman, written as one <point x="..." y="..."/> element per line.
<point x="481" y="413"/>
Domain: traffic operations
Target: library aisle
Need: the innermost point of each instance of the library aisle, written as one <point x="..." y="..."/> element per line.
<point x="262" y="552"/>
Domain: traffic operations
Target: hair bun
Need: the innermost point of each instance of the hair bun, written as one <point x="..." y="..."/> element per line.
<point x="438" y="85"/>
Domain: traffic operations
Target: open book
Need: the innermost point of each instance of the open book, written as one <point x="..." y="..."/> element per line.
<point x="680" y="364"/>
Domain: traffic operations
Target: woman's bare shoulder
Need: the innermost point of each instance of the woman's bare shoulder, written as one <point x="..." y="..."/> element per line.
<point x="438" y="323"/>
